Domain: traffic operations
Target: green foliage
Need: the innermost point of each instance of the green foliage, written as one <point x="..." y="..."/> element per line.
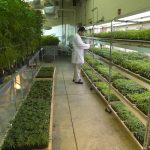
<point x="134" y="61"/>
<point x="92" y="76"/>
<point x="126" y="86"/>
<point x="91" y="61"/>
<point x="86" y="67"/>
<point x="133" y="124"/>
<point x="102" y="68"/>
<point x="20" y="30"/>
<point x="30" y="128"/>
<point x="104" y="71"/>
<point x="45" y="72"/>
<point x="104" y="89"/>
<point x="101" y="52"/>
<point x="49" y="40"/>
<point x="130" y="34"/>
<point x="140" y="100"/>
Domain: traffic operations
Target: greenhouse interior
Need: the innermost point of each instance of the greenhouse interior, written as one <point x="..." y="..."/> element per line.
<point x="74" y="75"/>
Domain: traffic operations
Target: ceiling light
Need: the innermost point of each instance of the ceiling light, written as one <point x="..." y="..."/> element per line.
<point x="137" y="16"/>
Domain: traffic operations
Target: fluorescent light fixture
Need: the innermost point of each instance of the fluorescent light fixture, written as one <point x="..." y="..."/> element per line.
<point x="140" y="17"/>
<point x="117" y="24"/>
<point x="28" y="1"/>
<point x="108" y="25"/>
<point x="89" y="27"/>
<point x="136" y="17"/>
<point x="143" y="19"/>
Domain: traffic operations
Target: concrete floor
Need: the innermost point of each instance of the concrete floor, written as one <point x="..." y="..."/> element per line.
<point x="80" y="120"/>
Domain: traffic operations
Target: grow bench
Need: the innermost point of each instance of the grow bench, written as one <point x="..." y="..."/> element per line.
<point x="141" y="116"/>
<point x="36" y="101"/>
<point x="112" y="110"/>
<point x="141" y="43"/>
<point x="138" y="78"/>
<point x="45" y="73"/>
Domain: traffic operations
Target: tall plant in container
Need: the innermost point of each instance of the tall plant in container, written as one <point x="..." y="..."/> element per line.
<point x="50" y="43"/>
<point x="20" y="32"/>
<point x="49" y="40"/>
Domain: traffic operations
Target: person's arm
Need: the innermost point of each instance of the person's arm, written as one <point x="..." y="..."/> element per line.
<point x="78" y="41"/>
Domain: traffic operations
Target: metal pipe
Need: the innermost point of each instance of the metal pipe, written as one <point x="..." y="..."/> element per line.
<point x="95" y="8"/>
<point x="62" y="4"/>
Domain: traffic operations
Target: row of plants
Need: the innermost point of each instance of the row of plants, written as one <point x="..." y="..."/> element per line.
<point x="101" y="86"/>
<point x="102" y="68"/>
<point x="30" y="128"/>
<point x="20" y="34"/>
<point x="134" y="92"/>
<point x="92" y="76"/>
<point x="141" y="100"/>
<point x="134" y="61"/>
<point x="49" y="40"/>
<point x="129" y="119"/>
<point x="104" y="89"/>
<point x="128" y="88"/>
<point x="45" y="72"/>
<point x="130" y="34"/>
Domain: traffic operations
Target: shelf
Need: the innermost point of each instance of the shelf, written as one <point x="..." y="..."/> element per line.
<point x="140" y="115"/>
<point x="139" y="43"/>
<point x="114" y="113"/>
<point x="51" y="117"/>
<point x="132" y="107"/>
<point x="35" y="78"/>
<point x="136" y="77"/>
<point x="125" y="127"/>
<point x="101" y="95"/>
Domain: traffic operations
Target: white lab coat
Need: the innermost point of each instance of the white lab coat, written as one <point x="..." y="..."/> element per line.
<point x="78" y="50"/>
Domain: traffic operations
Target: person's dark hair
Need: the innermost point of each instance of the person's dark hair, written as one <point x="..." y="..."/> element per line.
<point x="82" y="29"/>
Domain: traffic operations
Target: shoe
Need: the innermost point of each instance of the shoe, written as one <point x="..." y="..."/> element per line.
<point x="79" y="82"/>
<point x="73" y="80"/>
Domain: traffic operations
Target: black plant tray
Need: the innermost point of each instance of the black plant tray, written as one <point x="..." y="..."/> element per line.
<point x="27" y="147"/>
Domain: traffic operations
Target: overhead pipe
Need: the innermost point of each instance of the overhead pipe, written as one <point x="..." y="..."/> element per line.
<point x="62" y="4"/>
<point x="95" y="8"/>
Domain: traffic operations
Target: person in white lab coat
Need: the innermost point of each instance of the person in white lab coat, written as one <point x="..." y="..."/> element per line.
<point x="78" y="54"/>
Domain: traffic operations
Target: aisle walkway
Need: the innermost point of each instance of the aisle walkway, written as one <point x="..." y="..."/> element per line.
<point x="80" y="120"/>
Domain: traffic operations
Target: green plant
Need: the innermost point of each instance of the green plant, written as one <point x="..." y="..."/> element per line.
<point x="92" y="76"/>
<point x="45" y="72"/>
<point x="104" y="89"/>
<point x="141" y="100"/>
<point x="133" y="124"/>
<point x="134" y="61"/>
<point x="104" y="71"/>
<point x="126" y="86"/>
<point x="130" y="34"/>
<point x="86" y="67"/>
<point x="20" y="31"/>
<point x="93" y="62"/>
<point x="49" y="40"/>
<point x="30" y="128"/>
